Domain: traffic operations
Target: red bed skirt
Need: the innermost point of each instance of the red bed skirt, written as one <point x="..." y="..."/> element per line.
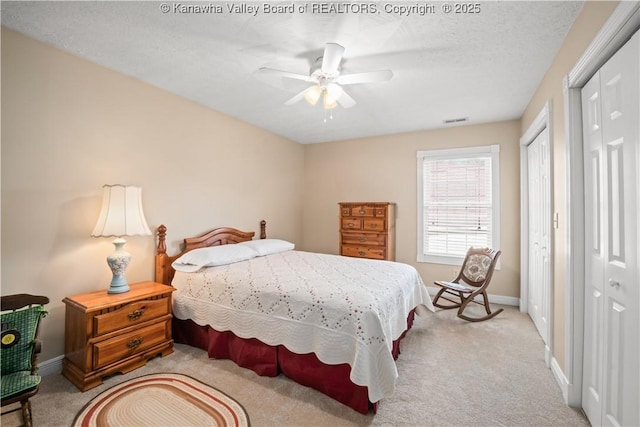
<point x="266" y="360"/>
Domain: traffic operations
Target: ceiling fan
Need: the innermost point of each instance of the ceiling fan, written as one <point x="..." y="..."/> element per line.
<point x="328" y="81"/>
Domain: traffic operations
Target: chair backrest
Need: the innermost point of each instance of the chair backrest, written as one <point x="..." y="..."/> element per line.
<point x="478" y="265"/>
<point x="20" y="319"/>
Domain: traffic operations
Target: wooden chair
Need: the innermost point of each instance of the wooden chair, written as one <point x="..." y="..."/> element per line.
<point x="21" y="314"/>
<point x="472" y="281"/>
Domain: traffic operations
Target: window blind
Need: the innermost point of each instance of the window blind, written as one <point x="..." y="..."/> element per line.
<point x="457" y="205"/>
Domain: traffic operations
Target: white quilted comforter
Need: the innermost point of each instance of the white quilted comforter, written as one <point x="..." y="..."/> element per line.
<point x="345" y="310"/>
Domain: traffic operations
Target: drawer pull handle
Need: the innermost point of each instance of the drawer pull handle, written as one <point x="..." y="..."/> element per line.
<point x="361" y="212"/>
<point x="134" y="343"/>
<point x="136" y="314"/>
<point x="350" y="225"/>
<point x="363" y="239"/>
<point x="362" y="253"/>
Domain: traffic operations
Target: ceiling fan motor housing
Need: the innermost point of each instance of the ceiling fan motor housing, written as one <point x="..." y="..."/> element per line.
<point x="316" y="71"/>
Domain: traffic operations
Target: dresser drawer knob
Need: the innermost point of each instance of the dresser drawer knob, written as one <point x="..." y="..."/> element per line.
<point x="362" y="253"/>
<point x="134" y="343"/>
<point x="362" y="212"/>
<point x="363" y="239"/>
<point x="136" y="314"/>
<point x="350" y="225"/>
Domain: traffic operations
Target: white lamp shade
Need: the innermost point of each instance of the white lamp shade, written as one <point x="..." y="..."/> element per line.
<point x="313" y="94"/>
<point x="121" y="213"/>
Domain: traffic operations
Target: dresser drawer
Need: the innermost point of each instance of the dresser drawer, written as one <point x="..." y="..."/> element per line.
<point x="373" y="224"/>
<point x="364" y="239"/>
<point x="352" y="224"/>
<point x="364" y="252"/>
<point x="130" y="314"/>
<point x="362" y="210"/>
<point x="380" y="212"/>
<point x="125" y="345"/>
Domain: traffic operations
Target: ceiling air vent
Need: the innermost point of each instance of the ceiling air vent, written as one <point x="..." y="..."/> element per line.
<point x="452" y="121"/>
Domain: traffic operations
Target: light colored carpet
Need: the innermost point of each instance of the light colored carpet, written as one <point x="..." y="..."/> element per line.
<point x="452" y="373"/>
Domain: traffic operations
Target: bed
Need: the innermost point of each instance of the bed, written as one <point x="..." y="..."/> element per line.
<point x="329" y="322"/>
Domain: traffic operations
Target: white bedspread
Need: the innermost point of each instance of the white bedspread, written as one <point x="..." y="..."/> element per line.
<point x="345" y="310"/>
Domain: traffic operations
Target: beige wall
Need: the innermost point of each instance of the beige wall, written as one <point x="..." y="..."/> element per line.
<point x="585" y="28"/>
<point x="384" y="169"/>
<point x="70" y="126"/>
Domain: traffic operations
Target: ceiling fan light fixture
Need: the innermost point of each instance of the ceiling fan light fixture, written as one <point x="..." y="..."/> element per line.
<point x="329" y="102"/>
<point x="312" y="95"/>
<point x="332" y="94"/>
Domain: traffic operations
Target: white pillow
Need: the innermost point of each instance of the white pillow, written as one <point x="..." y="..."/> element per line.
<point x="268" y="246"/>
<point x="213" y="256"/>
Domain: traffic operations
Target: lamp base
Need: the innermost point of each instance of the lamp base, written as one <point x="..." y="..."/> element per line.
<point x="118" y="262"/>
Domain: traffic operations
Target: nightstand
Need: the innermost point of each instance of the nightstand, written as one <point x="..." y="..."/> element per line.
<point x="115" y="333"/>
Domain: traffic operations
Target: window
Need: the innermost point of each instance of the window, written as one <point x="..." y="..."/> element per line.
<point x="458" y="202"/>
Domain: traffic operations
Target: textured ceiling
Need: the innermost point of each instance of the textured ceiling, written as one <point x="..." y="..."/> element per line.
<point x="484" y="65"/>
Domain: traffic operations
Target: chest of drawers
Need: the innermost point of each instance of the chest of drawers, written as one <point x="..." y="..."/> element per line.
<point x="115" y="333"/>
<point x="367" y="230"/>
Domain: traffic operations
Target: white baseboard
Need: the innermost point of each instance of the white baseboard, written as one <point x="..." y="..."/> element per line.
<point x="51" y="366"/>
<point x="561" y="379"/>
<point x="494" y="299"/>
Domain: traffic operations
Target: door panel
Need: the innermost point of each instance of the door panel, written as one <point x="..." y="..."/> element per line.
<point x="539" y="212"/>
<point x="620" y="78"/>
<point x="611" y="376"/>
<point x="594" y="276"/>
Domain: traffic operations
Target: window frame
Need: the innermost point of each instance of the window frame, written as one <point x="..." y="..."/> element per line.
<point x="492" y="151"/>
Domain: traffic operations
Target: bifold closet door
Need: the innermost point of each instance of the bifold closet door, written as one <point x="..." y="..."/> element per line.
<point x="611" y="131"/>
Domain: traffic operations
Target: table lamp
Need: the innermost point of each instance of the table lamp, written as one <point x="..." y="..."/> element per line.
<point x="121" y="215"/>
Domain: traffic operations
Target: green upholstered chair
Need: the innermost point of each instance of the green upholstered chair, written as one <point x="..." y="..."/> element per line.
<point x="19" y="377"/>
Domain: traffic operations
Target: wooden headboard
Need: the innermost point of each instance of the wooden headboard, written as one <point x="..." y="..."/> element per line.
<point x="219" y="236"/>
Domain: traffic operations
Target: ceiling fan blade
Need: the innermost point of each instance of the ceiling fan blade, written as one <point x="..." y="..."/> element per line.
<point x="287" y="74"/>
<point x="331" y="58"/>
<point x="296" y="98"/>
<point x="367" y="77"/>
<point x="346" y="101"/>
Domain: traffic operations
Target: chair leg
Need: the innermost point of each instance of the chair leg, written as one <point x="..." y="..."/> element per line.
<point x="445" y="307"/>
<point x="486" y="302"/>
<point x="26" y="413"/>
<point x="486" y="307"/>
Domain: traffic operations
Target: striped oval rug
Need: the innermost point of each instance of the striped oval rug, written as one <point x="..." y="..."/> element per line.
<point x="162" y="400"/>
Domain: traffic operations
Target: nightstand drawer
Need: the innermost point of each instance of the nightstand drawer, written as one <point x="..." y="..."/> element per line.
<point x="120" y="347"/>
<point x="131" y="314"/>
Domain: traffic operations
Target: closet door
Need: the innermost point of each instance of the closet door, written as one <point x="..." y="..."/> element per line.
<point x="538" y="172"/>
<point x="611" y="373"/>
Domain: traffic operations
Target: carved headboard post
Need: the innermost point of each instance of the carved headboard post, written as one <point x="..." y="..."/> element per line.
<point x="161" y="257"/>
<point x="162" y="238"/>
<point x="263" y="229"/>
